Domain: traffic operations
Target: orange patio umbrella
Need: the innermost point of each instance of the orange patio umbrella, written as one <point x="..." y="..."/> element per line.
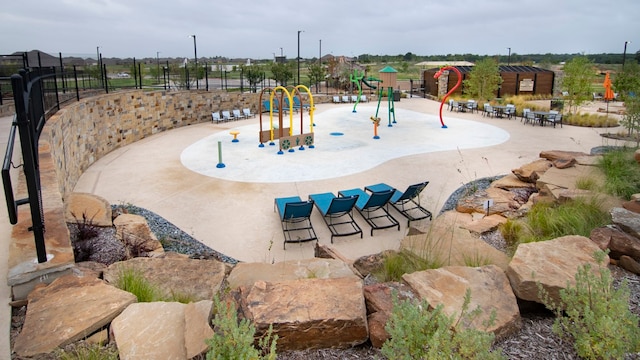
<point x="608" y="92"/>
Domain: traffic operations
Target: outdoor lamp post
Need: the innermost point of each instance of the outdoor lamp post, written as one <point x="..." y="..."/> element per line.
<point x="509" y="58"/>
<point x="195" y="55"/>
<point x="320" y="54"/>
<point x="158" y="66"/>
<point x="299" y="31"/>
<point x="624" y="54"/>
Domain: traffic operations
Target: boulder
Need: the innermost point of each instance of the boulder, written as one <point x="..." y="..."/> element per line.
<point x="632" y="205"/>
<point x="369" y="264"/>
<point x="531" y="172"/>
<point x="194" y="279"/>
<point x="308" y="313"/>
<point x="245" y="274"/>
<point x="486" y="224"/>
<point x="552" y="264"/>
<point x="162" y="330"/>
<point x="617" y="241"/>
<point x="503" y="201"/>
<point x="134" y="232"/>
<point x="69" y="309"/>
<point x="562" y="156"/>
<point x="379" y="300"/>
<point x="490" y="291"/>
<point x="629" y="264"/>
<point x="627" y="220"/>
<point x="511" y="181"/>
<point x="88" y="209"/>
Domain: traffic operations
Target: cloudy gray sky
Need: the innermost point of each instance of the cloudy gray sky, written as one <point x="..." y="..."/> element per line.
<point x="260" y="28"/>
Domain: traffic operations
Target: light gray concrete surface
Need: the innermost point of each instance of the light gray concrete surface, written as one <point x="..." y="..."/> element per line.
<point x="233" y="213"/>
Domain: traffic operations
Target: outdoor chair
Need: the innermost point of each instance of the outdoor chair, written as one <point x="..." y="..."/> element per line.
<point x="298" y="104"/>
<point x="372" y="207"/>
<point x="408" y="202"/>
<point x="345" y="99"/>
<point x="363" y="98"/>
<point x="336" y="99"/>
<point x="531" y="118"/>
<point x="337" y="213"/>
<point x="471" y="105"/>
<point x="455" y="105"/>
<point x="554" y="118"/>
<point x="226" y="115"/>
<point x="510" y="111"/>
<point x="524" y="114"/>
<point x="489" y="111"/>
<point x="247" y="113"/>
<point x="215" y="116"/>
<point x="295" y="216"/>
<point x="236" y="114"/>
<point x="354" y="98"/>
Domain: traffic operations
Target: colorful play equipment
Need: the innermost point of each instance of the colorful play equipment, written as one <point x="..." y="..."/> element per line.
<point x="356" y="78"/>
<point x="279" y="98"/>
<point x="444" y="99"/>
<point x="388" y="77"/>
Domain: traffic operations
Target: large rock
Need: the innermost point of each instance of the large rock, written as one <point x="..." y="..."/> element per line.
<point x="531" y="172"/>
<point x="490" y="290"/>
<point x="552" y="264"/>
<point x="88" y="209"/>
<point x="379" y="300"/>
<point x="618" y="242"/>
<point x="134" y="232"/>
<point x="195" y="279"/>
<point x="245" y="274"/>
<point x="69" y="309"/>
<point x="503" y="201"/>
<point x="563" y="156"/>
<point x="627" y="220"/>
<point x="511" y="181"/>
<point x="308" y="313"/>
<point x="162" y="330"/>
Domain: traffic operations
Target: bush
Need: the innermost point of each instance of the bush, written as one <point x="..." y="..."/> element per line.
<point x="234" y="339"/>
<point x="134" y="282"/>
<point x="417" y="333"/>
<point x="596" y="316"/>
<point x="404" y="262"/>
<point x="621" y="171"/>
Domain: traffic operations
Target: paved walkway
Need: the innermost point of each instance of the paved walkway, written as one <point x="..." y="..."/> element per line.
<point x="232" y="210"/>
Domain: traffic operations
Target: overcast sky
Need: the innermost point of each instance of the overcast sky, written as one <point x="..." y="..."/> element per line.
<point x="259" y="29"/>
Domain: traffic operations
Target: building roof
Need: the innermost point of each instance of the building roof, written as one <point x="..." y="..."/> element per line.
<point x="506" y="69"/>
<point x="444" y="63"/>
<point x="388" y="69"/>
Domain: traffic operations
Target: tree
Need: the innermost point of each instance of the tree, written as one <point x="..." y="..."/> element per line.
<point x="484" y="80"/>
<point x="628" y="81"/>
<point x="282" y="72"/>
<point x="253" y="75"/>
<point x="578" y="76"/>
<point x="316" y="74"/>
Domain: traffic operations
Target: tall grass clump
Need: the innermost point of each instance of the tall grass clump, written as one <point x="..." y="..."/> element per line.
<point x="234" y="339"/>
<point x="396" y="264"/>
<point x="590" y="120"/>
<point x="86" y="351"/>
<point x="595" y="315"/>
<point x="419" y="333"/>
<point x="546" y="221"/>
<point x="621" y="171"/>
<point x="133" y="281"/>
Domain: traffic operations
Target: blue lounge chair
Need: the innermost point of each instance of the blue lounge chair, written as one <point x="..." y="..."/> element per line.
<point x="337" y="213"/>
<point x="295" y="216"/>
<point x="408" y="202"/>
<point x="298" y="104"/>
<point x="372" y="208"/>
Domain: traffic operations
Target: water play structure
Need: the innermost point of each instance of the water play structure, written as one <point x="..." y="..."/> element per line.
<point x="283" y="100"/>
<point x="444" y="99"/>
<point x="388" y="77"/>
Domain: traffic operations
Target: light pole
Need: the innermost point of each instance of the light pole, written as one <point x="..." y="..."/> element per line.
<point x="624" y="54"/>
<point x="281" y="53"/>
<point x="320" y="54"/>
<point x="195" y="55"/>
<point x="158" y="66"/>
<point x="299" y="31"/>
<point x="509" y="58"/>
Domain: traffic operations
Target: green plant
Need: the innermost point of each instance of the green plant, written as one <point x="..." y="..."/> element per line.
<point x="511" y="231"/>
<point x="475" y="259"/>
<point x="417" y="333"/>
<point x="621" y="172"/>
<point x="133" y="281"/>
<point x="587" y="183"/>
<point x="403" y="262"/>
<point x="86" y="351"/>
<point x="547" y="221"/>
<point x="86" y="229"/>
<point x="595" y="315"/>
<point x="234" y="339"/>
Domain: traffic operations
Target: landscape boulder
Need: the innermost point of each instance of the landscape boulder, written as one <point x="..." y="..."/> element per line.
<point x="490" y="291"/>
<point x="553" y="264"/>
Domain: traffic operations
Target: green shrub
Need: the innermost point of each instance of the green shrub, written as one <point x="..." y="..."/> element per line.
<point x="417" y="333"/>
<point x="621" y="171"/>
<point x="595" y="315"/>
<point x="234" y="339"/>
<point x="589" y="120"/>
<point x="475" y="259"/>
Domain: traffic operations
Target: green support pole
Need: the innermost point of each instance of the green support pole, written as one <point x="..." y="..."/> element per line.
<point x="220" y="164"/>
